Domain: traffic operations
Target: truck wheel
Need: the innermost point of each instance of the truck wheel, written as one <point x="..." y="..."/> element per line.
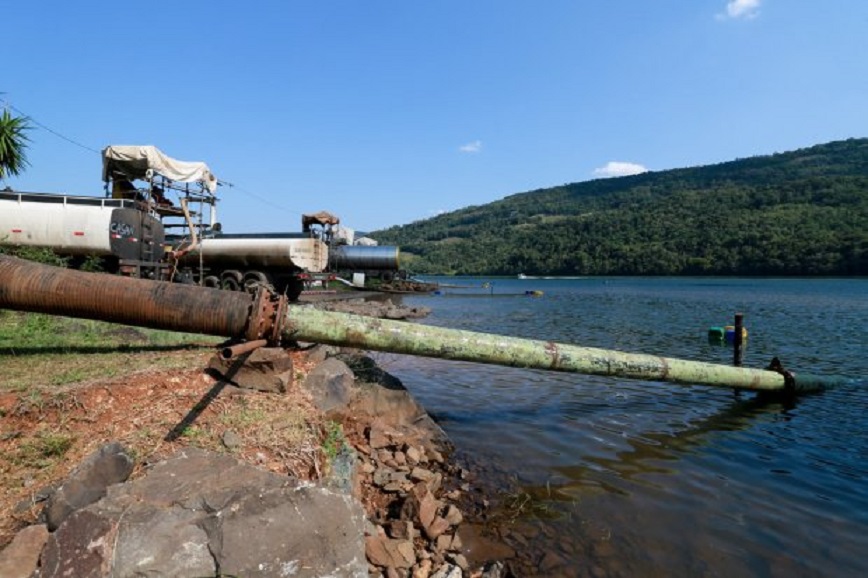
<point x="255" y="279"/>
<point x="211" y="281"/>
<point x="230" y="284"/>
<point x="231" y="280"/>
<point x="293" y="289"/>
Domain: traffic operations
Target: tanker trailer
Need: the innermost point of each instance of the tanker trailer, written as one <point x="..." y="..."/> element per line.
<point x="126" y="236"/>
<point x="243" y="261"/>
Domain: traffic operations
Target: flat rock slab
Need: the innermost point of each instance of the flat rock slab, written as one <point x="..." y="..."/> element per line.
<point x="205" y="514"/>
<point x="110" y="464"/>
<point x="266" y="369"/>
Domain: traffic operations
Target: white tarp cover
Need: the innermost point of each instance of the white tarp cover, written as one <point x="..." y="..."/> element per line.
<point x="135" y="161"/>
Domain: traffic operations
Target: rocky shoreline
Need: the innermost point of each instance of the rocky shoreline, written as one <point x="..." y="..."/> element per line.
<point x="385" y="456"/>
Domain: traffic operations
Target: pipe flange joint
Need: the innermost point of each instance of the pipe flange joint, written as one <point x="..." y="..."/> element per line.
<point x="265" y="309"/>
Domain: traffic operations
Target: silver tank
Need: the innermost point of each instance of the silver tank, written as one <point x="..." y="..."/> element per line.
<point x="363" y="258"/>
<point x="261" y="252"/>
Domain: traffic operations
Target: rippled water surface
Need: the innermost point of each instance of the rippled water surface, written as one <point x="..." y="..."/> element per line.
<point x="633" y="478"/>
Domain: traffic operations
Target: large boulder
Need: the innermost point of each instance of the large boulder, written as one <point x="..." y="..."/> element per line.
<point x="205" y="514"/>
<point x="331" y="385"/>
<point x="380" y="394"/>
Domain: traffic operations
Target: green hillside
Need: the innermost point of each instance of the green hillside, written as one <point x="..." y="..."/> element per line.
<point x="796" y="213"/>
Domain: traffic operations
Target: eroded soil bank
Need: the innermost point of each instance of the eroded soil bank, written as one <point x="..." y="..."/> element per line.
<point x="311" y="415"/>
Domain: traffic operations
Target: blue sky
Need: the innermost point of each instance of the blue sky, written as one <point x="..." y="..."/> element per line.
<point x="387" y="112"/>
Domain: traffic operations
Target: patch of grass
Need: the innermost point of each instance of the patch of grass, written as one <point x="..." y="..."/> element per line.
<point x="71" y="376"/>
<point x="334" y="440"/>
<point x="25" y="372"/>
<point x="29" y="402"/>
<point x="35" y="324"/>
<point x="26" y="332"/>
<point x="258" y="420"/>
<point x="243" y="416"/>
<point x="44" y="449"/>
<point x="193" y="433"/>
<point x="46" y="350"/>
<point x="35" y="401"/>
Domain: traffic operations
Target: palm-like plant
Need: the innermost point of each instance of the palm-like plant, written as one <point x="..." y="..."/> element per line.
<point x="13" y="142"/>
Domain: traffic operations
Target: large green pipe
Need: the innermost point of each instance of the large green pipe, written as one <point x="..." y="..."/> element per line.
<point x="310" y="324"/>
<point x="27" y="286"/>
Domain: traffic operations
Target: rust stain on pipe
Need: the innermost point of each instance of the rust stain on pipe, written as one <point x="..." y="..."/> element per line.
<point x="552" y="351"/>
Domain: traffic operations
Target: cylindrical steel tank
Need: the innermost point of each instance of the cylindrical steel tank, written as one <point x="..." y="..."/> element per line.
<point x="72" y="225"/>
<point x="362" y="258"/>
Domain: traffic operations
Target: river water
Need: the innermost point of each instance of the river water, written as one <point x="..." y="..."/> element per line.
<point x="620" y="477"/>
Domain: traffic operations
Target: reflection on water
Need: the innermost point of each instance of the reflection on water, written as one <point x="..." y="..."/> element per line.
<point x="628" y="478"/>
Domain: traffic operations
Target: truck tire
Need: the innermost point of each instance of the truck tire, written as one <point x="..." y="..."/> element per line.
<point x="231" y="280"/>
<point x="255" y="279"/>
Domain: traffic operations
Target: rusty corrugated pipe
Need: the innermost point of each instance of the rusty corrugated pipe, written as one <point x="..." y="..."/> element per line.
<point x="28" y="286"/>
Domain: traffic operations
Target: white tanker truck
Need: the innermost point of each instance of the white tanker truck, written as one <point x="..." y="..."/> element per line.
<point x="143" y="232"/>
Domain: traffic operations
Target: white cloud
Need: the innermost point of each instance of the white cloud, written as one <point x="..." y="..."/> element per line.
<point x="741" y="9"/>
<point x="619" y="169"/>
<point x="471" y="147"/>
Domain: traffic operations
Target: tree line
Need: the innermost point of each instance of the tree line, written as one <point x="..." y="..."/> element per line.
<point x="797" y="213"/>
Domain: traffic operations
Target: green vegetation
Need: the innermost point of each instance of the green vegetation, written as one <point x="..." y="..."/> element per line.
<point x="334" y="440"/>
<point x="37" y="349"/>
<point x="35" y="331"/>
<point x="13" y="142"/>
<point x="44" y="449"/>
<point x="37" y="254"/>
<point x="795" y="213"/>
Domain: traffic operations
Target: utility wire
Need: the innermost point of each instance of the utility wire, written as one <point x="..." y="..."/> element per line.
<point x="85" y="147"/>
<point x="261" y="199"/>
<point x="42" y="126"/>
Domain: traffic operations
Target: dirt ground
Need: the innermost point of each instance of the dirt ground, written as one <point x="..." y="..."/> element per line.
<point x="44" y="433"/>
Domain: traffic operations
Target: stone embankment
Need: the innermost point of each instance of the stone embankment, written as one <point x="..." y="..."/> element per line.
<point x="389" y="504"/>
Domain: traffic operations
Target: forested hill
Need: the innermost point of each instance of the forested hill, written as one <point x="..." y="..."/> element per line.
<point x="796" y="213"/>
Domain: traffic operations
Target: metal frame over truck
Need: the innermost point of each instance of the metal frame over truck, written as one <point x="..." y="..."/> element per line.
<point x="127" y="230"/>
<point x="199" y="251"/>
